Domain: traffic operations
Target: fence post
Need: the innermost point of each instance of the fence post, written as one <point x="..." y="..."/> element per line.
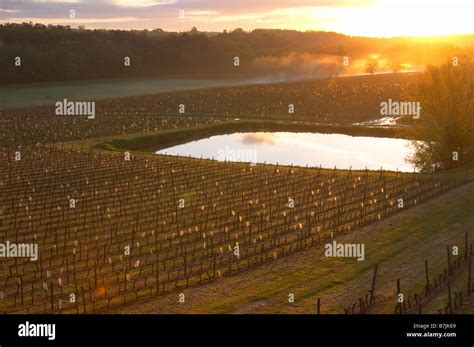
<point x="449" y="260"/>
<point x="52" y="296"/>
<point x="372" y="291"/>
<point x="427" y="279"/>
<point x="469" y="283"/>
<point x="83" y="299"/>
<point x="449" y="296"/>
<point x="398" y="292"/>
<point x="467" y="246"/>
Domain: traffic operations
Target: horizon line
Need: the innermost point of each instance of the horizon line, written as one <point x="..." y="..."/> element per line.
<point x="248" y="31"/>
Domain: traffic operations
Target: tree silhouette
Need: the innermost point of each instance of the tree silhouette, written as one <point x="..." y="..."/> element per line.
<point x="444" y="132"/>
<point x="371" y="66"/>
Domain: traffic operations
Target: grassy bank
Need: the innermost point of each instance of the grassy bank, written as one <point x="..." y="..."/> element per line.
<point x="164" y="139"/>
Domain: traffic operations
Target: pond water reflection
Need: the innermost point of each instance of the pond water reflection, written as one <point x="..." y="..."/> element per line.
<point x="301" y="149"/>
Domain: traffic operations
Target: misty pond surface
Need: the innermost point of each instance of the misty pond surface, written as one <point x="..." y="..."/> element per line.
<point x="301" y="149"/>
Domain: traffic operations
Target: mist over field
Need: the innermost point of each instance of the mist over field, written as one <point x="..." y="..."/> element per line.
<point x="277" y="55"/>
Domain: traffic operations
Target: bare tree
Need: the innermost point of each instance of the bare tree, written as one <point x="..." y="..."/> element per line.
<point x="395" y="66"/>
<point x="444" y="132"/>
<point x="371" y="66"/>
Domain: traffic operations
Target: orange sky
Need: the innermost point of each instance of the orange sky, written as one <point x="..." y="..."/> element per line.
<point x="383" y="18"/>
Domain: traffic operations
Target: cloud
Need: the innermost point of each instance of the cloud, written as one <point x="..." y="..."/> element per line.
<point x="142" y="3"/>
<point x="257" y="138"/>
<point x="5" y="10"/>
<point x="239" y="17"/>
<point x="205" y="14"/>
<point x="71" y="21"/>
<point x="355" y="17"/>
<point x="54" y="1"/>
<point x="198" y="13"/>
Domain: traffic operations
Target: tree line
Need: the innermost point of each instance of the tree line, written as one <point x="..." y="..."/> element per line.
<point x="61" y="53"/>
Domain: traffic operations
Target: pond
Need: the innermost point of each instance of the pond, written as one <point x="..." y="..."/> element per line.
<point x="301" y="149"/>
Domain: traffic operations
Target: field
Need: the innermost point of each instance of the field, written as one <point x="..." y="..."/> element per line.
<point x="328" y="101"/>
<point x="400" y="245"/>
<point x="125" y="231"/>
<point x="41" y="94"/>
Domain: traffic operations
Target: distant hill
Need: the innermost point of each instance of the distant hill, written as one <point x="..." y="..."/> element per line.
<point x="60" y="53"/>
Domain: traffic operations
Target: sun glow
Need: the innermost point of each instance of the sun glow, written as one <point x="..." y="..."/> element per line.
<point x="374" y="18"/>
<point x="387" y="18"/>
